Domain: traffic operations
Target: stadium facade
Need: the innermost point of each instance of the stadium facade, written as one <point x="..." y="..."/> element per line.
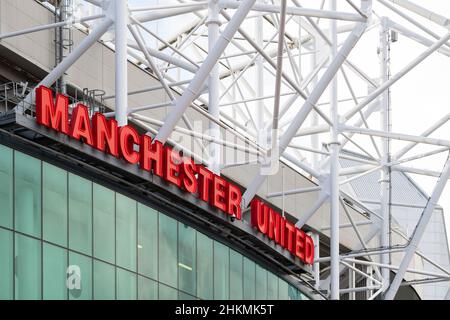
<point x="94" y="203"/>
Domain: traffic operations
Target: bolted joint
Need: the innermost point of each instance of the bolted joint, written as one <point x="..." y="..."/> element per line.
<point x="213" y="20"/>
<point x="338" y="143"/>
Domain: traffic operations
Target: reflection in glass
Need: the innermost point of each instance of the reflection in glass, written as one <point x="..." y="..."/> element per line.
<point x="6" y="187"/>
<point x="272" y="286"/>
<point x="6" y="265"/>
<point x="126" y="285"/>
<point x="167" y="256"/>
<point x="235" y="275"/>
<point x="104" y="223"/>
<point x="187" y="258"/>
<point x="27" y="194"/>
<point x="261" y="283"/>
<point x="126" y="232"/>
<point x="54" y="275"/>
<point x="104" y="281"/>
<point x="147" y="289"/>
<point x="54" y="204"/>
<point x="221" y="271"/>
<point x="80" y="214"/>
<point x="147" y="245"/>
<point x="249" y="279"/>
<point x="28" y="268"/>
<point x="205" y="279"/>
<point x="167" y="293"/>
<point x="82" y="287"/>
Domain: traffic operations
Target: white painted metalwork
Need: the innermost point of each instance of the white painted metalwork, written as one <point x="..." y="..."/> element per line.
<point x="261" y="73"/>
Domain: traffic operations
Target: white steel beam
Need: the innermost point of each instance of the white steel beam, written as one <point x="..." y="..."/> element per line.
<point x="296" y="11"/>
<point x="310" y="102"/>
<point x="77" y="52"/>
<point x="49" y="26"/>
<point x="385" y="176"/>
<point x="199" y="79"/>
<point x="213" y="23"/>
<point x="419" y="231"/>
<point x="398" y="76"/>
<point x="121" y="61"/>
<point x="334" y="168"/>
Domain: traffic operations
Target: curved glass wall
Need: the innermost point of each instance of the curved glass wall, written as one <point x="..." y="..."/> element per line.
<point x="65" y="237"/>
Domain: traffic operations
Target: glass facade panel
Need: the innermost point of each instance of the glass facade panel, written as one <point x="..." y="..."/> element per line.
<point x="140" y="253"/>
<point x="147" y="241"/>
<point x="6" y="187"/>
<point x="104" y="281"/>
<point x="27" y="202"/>
<point x="147" y="289"/>
<point x="272" y="286"/>
<point x="104" y="223"/>
<point x="54" y="195"/>
<point x="221" y="271"/>
<point x="54" y="275"/>
<point x="261" y="283"/>
<point x="236" y="288"/>
<point x="126" y="232"/>
<point x="187" y="259"/>
<point x="282" y="290"/>
<point x="126" y="285"/>
<point x="205" y="279"/>
<point x="249" y="279"/>
<point x="167" y="293"/>
<point x="28" y="268"/>
<point x="293" y="293"/>
<point x="80" y="277"/>
<point x="167" y="254"/>
<point x="6" y="265"/>
<point x="80" y="214"/>
<point x="185" y="296"/>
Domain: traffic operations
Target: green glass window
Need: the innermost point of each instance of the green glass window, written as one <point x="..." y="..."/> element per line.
<point x="261" y="283"/>
<point x="80" y="214"/>
<point x="282" y="290"/>
<point x="147" y="289"/>
<point x="235" y="275"/>
<point x="54" y="194"/>
<point x="104" y="281"/>
<point x="27" y="194"/>
<point x="167" y="293"/>
<point x="167" y="254"/>
<point x="205" y="279"/>
<point x="6" y="187"/>
<point x="221" y="271"/>
<point x="80" y="277"/>
<point x="6" y="265"/>
<point x="184" y="296"/>
<point x="126" y="232"/>
<point x="186" y="258"/>
<point x="28" y="268"/>
<point x="147" y="241"/>
<point x="104" y="223"/>
<point x="293" y="293"/>
<point x="272" y="286"/>
<point x="126" y="285"/>
<point x="249" y="279"/>
<point x="54" y="275"/>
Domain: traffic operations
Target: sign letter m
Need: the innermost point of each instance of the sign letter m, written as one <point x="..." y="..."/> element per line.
<point x="50" y="113"/>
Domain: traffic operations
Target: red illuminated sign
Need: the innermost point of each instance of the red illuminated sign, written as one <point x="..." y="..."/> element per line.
<point x="272" y="224"/>
<point x="152" y="156"/>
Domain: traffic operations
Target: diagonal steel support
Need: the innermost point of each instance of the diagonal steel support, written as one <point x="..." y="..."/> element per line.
<point x="419" y="231"/>
<point x="200" y="77"/>
<point x="310" y="102"/>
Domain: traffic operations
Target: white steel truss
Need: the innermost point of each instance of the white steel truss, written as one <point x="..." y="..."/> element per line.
<point x="262" y="68"/>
